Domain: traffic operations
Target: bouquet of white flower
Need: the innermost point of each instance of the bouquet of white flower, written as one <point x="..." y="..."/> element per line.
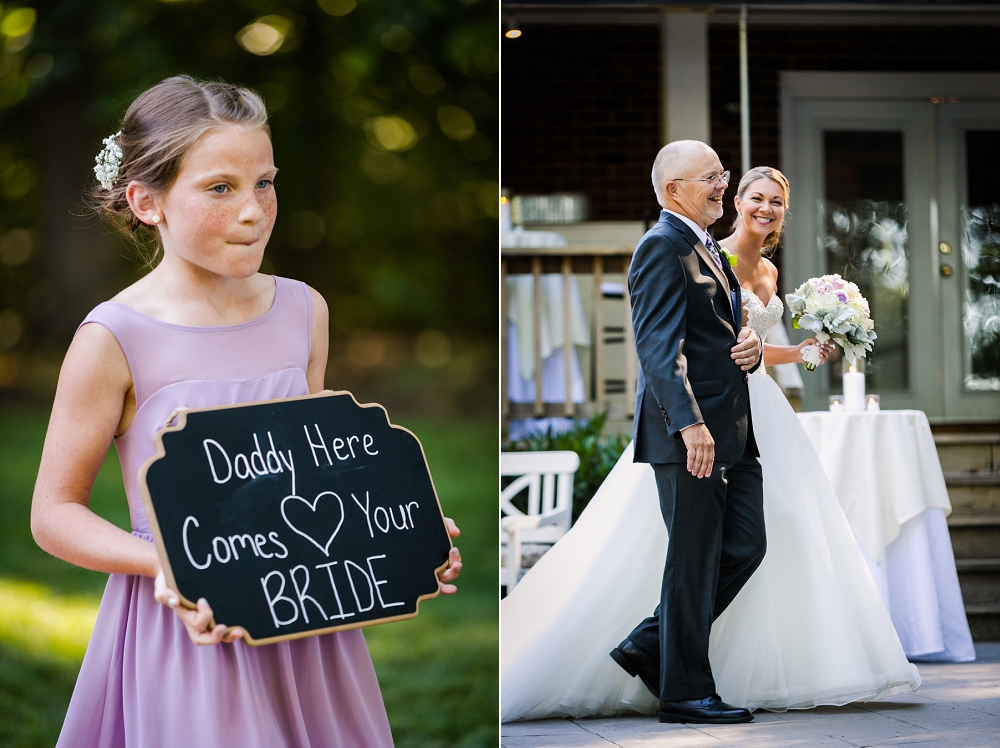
<point x="833" y="309"/>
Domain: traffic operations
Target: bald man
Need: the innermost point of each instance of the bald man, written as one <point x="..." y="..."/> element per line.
<point x="692" y="423"/>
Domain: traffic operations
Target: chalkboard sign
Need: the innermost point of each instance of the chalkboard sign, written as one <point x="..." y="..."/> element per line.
<point x="295" y="517"/>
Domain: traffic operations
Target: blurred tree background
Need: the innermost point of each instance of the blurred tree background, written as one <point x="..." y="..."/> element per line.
<point x="384" y="121"/>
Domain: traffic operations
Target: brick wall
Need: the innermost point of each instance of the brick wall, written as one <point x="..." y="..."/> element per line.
<point x="581" y="104"/>
<point x="581" y="113"/>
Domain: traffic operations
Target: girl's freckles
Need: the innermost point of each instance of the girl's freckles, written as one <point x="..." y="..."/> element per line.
<point x="223" y="232"/>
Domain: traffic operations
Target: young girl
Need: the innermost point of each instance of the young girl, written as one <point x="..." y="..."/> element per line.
<point x="193" y="162"/>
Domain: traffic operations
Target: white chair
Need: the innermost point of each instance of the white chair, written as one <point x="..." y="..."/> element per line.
<point x="548" y="478"/>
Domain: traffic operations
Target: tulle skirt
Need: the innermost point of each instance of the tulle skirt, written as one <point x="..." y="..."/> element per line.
<point x="809" y="628"/>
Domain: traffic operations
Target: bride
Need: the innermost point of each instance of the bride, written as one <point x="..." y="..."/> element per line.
<point x="808" y="628"/>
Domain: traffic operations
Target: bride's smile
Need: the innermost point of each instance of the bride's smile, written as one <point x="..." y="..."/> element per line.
<point x="761" y="208"/>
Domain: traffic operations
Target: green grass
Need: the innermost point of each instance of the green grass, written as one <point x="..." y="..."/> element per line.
<point x="438" y="672"/>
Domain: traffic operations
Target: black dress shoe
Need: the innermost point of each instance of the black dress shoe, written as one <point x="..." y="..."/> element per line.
<point x="708" y="711"/>
<point x="635" y="661"/>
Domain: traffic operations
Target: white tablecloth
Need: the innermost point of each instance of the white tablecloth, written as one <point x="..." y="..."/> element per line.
<point x="885" y="470"/>
<point x="521" y="349"/>
<point x="521" y="295"/>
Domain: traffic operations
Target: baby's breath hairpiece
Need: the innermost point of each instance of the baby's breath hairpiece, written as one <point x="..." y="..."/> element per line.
<point x="109" y="161"/>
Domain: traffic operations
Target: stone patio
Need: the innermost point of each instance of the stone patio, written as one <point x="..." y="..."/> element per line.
<point x="957" y="706"/>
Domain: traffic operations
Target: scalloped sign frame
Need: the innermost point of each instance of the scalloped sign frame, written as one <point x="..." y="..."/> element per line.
<point x="295" y="517"/>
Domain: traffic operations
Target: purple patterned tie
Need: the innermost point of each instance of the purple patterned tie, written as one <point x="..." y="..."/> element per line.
<point x="714" y="251"/>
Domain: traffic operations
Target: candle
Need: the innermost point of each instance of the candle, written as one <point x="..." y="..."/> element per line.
<point x="873" y="404"/>
<point x="836" y="403"/>
<point x="854" y="389"/>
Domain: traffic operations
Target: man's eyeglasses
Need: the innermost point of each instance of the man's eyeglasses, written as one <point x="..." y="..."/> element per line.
<point x="723" y="177"/>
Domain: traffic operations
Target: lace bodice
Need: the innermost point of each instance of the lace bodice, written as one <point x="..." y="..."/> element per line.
<point x="763" y="318"/>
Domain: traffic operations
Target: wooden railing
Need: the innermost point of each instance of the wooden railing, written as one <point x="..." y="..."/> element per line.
<point x="598" y="262"/>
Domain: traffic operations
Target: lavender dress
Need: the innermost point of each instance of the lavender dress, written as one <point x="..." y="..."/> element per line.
<point x="143" y="684"/>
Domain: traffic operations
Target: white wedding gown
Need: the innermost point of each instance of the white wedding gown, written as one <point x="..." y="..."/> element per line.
<point x="809" y="628"/>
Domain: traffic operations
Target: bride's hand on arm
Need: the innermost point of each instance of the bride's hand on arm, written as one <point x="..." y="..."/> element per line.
<point x="747" y="349"/>
<point x="87" y="412"/>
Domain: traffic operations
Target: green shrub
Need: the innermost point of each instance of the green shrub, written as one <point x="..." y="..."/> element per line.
<point x="597" y="454"/>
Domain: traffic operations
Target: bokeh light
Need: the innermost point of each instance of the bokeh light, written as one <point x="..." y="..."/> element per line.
<point x="265" y="35"/>
<point x="456" y="123"/>
<point x="390" y="133"/>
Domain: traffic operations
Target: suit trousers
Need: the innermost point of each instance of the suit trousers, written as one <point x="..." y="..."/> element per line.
<point x="717" y="541"/>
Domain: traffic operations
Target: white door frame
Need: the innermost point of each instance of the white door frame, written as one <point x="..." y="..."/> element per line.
<point x="812" y="101"/>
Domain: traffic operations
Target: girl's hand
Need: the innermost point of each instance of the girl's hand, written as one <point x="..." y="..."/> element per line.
<point x="825" y="349"/>
<point x="196" y="621"/>
<point x="454" y="562"/>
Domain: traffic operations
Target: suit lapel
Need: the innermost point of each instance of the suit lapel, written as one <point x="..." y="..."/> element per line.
<point x="721" y="276"/>
<point x="713" y="266"/>
<point x="706" y="256"/>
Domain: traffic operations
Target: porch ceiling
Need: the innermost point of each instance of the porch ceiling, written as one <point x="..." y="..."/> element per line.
<point x="773" y="12"/>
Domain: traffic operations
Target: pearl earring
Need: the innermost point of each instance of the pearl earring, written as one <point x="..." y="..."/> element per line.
<point x="156" y="218"/>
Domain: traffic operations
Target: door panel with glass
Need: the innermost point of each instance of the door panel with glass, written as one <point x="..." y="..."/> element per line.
<point x="861" y="180"/>
<point x="863" y="220"/>
<point x="969" y="256"/>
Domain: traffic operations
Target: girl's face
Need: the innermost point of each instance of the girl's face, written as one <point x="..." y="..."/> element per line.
<point x="762" y="207"/>
<point x="219" y="212"/>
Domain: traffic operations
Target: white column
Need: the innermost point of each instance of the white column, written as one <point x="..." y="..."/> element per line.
<point x="684" y="76"/>
<point x="744" y="94"/>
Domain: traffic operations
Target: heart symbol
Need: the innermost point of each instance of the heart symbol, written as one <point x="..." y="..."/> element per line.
<point x="324" y="548"/>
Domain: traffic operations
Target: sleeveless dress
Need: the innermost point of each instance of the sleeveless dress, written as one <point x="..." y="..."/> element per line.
<point x="808" y="628"/>
<point x="143" y="683"/>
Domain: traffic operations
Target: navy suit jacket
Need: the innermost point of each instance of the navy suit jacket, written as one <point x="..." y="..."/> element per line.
<point x="686" y="316"/>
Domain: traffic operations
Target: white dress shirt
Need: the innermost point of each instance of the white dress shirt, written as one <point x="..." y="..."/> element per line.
<point x="698" y="230"/>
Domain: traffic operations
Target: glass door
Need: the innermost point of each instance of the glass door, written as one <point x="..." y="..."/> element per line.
<point x="861" y="191"/>
<point x="968" y="256"/>
<point x="864" y="222"/>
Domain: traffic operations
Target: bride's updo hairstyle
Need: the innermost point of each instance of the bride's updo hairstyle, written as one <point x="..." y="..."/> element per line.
<point x="159" y="129"/>
<point x="765" y="172"/>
